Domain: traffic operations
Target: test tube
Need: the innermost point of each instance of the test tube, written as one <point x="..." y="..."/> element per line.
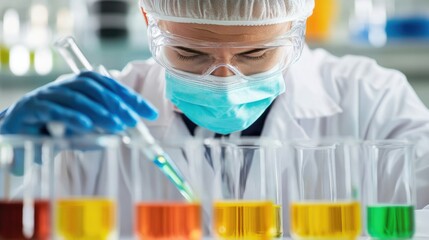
<point x="324" y="189"/>
<point x="246" y="188"/>
<point x="77" y="61"/>
<point x="24" y="190"/>
<point x="82" y="208"/>
<point x="159" y="212"/>
<point x="390" y="189"/>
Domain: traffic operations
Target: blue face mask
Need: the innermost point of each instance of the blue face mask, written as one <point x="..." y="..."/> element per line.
<point x="223" y="104"/>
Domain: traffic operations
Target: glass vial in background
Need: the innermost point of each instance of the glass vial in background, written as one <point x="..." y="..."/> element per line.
<point x="85" y="197"/>
<point x="408" y="20"/>
<point x="324" y="190"/>
<point x="25" y="189"/>
<point x="110" y="18"/>
<point x="367" y="23"/>
<point x="320" y="23"/>
<point x="390" y="189"/>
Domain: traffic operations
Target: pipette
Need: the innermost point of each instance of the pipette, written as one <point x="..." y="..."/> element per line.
<point x="77" y="61"/>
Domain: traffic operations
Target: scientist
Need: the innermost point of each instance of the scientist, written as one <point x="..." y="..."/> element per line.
<point x="236" y="67"/>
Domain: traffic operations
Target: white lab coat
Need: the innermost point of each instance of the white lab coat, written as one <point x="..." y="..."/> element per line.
<point x="325" y="96"/>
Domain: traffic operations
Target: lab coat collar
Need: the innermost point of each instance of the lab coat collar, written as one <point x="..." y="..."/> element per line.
<point x="305" y="90"/>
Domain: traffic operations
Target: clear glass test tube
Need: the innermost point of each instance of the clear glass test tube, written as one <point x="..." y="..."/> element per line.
<point x="324" y="190"/>
<point x="25" y="211"/>
<point x="390" y="189"/>
<point x="246" y="188"/>
<point x="160" y="211"/>
<point x="85" y="187"/>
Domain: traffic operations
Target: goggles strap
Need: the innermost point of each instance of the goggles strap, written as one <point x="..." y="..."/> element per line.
<point x="145" y="16"/>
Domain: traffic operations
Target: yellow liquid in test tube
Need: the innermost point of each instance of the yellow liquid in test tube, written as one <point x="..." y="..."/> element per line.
<point x="86" y="219"/>
<point x="333" y="221"/>
<point x="247" y="220"/>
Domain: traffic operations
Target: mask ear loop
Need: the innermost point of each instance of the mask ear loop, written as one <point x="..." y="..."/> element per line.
<point x="299" y="41"/>
<point x="144" y="14"/>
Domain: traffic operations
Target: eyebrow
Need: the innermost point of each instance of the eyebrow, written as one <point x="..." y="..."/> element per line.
<point x="191" y="50"/>
<point x="199" y="52"/>
<point x="254" y="51"/>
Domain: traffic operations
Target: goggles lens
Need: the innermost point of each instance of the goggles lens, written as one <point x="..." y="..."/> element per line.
<point x="181" y="55"/>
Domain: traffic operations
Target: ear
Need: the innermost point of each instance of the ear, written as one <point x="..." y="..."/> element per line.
<point x="144" y="15"/>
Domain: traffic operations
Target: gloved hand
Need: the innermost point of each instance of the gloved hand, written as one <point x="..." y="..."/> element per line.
<point x="83" y="103"/>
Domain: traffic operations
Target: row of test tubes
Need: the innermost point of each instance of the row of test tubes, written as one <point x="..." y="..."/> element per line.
<point x="67" y="188"/>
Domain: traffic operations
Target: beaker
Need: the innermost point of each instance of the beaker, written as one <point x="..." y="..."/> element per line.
<point x="24" y="189"/>
<point x="160" y="210"/>
<point x="324" y="189"/>
<point x="390" y="189"/>
<point x="85" y="197"/>
<point x="246" y="184"/>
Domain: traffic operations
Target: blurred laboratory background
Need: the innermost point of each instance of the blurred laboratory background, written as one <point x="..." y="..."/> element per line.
<point x="113" y="32"/>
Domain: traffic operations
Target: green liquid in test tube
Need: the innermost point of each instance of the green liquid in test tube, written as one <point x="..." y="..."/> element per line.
<point x="78" y="62"/>
<point x="390" y="221"/>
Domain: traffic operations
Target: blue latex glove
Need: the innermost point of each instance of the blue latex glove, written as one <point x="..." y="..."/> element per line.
<point x="84" y="103"/>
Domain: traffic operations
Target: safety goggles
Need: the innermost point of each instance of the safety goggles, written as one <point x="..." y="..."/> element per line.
<point x="184" y="56"/>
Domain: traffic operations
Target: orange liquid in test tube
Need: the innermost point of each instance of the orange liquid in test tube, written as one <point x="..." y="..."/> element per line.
<point x="168" y="221"/>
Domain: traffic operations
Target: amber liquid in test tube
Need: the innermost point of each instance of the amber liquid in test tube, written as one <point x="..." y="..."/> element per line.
<point x="247" y="199"/>
<point x="251" y="220"/>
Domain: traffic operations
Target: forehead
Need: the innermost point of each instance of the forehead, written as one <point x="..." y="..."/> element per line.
<point x="219" y="33"/>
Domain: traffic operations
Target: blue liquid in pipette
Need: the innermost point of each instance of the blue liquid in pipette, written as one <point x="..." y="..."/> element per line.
<point x="163" y="163"/>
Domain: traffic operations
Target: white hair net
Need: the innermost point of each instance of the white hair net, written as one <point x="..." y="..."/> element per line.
<point x="229" y="12"/>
